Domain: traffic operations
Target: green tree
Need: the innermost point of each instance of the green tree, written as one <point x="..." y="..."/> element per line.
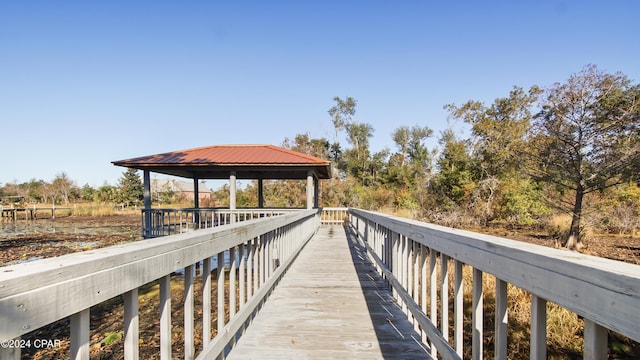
<point x="499" y="142"/>
<point x="130" y="187"/>
<point x="87" y="192"/>
<point x="106" y="194"/>
<point x="411" y="165"/>
<point x="500" y="130"/>
<point x="356" y="160"/>
<point x="587" y="137"/>
<point x="305" y="144"/>
<point x="457" y="174"/>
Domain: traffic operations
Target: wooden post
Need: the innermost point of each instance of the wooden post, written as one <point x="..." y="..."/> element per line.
<point x="165" y="317"/>
<point x="189" y="335"/>
<point x="501" y="320"/>
<point x="538" y="327"/>
<point x="260" y="194"/>
<point x="477" y="315"/>
<point x="147" y="203"/>
<point x="80" y="335"/>
<point x="131" y="335"/>
<point x="316" y="193"/>
<point x="196" y="193"/>
<point x="196" y="202"/>
<point x="309" y="189"/>
<point x="595" y="341"/>
<point x="206" y="302"/>
<point x="232" y="190"/>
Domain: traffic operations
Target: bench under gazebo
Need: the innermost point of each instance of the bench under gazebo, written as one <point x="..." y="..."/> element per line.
<point x="232" y="162"/>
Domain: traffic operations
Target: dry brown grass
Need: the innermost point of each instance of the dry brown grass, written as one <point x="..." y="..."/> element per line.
<point x="564" y="327"/>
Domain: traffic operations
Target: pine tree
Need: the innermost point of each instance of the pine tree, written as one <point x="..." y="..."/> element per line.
<point x="130" y="187"/>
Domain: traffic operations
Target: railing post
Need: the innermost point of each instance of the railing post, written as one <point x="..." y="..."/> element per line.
<point x="595" y="341"/>
<point x="131" y="351"/>
<point x="423" y="284"/>
<point x="458" y="293"/>
<point x="477" y="315"/>
<point x="232" y="281"/>
<point x="501" y="320"/>
<point x="538" y="328"/>
<point x="444" y="296"/>
<point x="165" y="317"/>
<point x="242" y="271"/>
<point x="80" y="335"/>
<point x="206" y="301"/>
<point x="220" y="281"/>
<point x="189" y="348"/>
<point x="433" y="295"/>
<point x="13" y="353"/>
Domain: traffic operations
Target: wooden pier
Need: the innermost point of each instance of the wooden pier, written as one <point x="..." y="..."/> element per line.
<point x="26" y="213"/>
<point x="331" y="304"/>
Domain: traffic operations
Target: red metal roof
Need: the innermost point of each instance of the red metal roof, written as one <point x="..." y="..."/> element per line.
<point x="226" y="156"/>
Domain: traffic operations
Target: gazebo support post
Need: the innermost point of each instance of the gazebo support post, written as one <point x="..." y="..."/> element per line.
<point x="260" y="194"/>
<point x="316" y="192"/>
<point x="147" y="202"/>
<point x="232" y="195"/>
<point x="196" y="201"/>
<point x="309" y="189"/>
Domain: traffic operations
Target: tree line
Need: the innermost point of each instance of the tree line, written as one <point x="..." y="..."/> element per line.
<point x="63" y="190"/>
<point x="572" y="148"/>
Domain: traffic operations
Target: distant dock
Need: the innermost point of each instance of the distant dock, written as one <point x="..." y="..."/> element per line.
<point x="25" y="213"/>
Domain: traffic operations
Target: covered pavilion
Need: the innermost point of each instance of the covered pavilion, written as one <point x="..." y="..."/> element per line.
<point x="234" y="162"/>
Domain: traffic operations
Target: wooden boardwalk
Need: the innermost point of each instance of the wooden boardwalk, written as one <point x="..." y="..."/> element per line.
<point x="331" y="304"/>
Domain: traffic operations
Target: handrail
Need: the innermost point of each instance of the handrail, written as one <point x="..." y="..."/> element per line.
<point x="334" y="215"/>
<point x="606" y="293"/>
<point x="158" y="222"/>
<point x="38" y="293"/>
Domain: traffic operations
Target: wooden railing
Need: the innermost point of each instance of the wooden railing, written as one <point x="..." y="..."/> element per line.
<point x="334" y="216"/>
<point x="158" y="222"/>
<point x="605" y="293"/>
<point x="38" y="293"/>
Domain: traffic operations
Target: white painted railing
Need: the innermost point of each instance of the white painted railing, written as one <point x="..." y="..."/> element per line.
<point x="334" y="215"/>
<point x="604" y="292"/>
<point x="38" y="293"/>
<point x="158" y="222"/>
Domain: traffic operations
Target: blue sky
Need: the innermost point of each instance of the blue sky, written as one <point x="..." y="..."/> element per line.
<point x="84" y="83"/>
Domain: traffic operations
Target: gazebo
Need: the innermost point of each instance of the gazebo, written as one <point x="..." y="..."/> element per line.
<point x="234" y="162"/>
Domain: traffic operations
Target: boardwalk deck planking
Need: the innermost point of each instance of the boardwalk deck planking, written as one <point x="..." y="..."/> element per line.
<point x="330" y="304"/>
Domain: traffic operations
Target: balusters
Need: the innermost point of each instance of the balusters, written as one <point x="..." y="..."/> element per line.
<point x="538" y="327"/>
<point x="444" y="296"/>
<point x="165" y="317"/>
<point x="477" y="315"/>
<point x="79" y="335"/>
<point x="189" y="348"/>
<point x="131" y="325"/>
<point x="433" y="295"/>
<point x="458" y="307"/>
<point x="206" y="301"/>
<point x="220" y="283"/>
<point x="501" y="320"/>
<point x="595" y="341"/>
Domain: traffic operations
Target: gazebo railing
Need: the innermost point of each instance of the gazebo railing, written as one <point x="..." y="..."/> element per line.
<point x="334" y="215"/>
<point x="158" y="222"/>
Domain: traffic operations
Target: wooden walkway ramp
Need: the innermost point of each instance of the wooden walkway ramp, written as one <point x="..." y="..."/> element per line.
<point x="331" y="304"/>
